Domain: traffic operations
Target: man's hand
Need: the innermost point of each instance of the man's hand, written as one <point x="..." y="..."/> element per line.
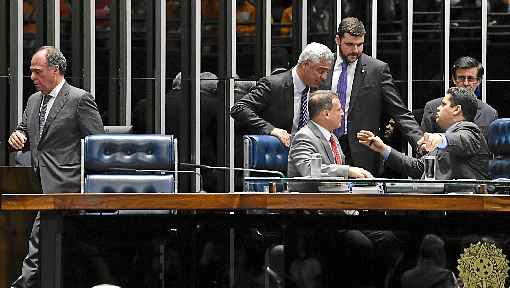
<point x="17" y="140"/>
<point x="356" y="172"/>
<point x="282" y="135"/>
<point x="429" y="141"/>
<point x="373" y="142"/>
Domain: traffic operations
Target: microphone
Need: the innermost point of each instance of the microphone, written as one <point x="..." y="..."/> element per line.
<point x="363" y="69"/>
<point x="201" y="166"/>
<point x="277" y="278"/>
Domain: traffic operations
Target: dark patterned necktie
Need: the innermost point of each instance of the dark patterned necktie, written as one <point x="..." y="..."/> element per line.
<point x="341" y="90"/>
<point x="303" y="112"/>
<point x="42" y="113"/>
<point x="334" y="147"/>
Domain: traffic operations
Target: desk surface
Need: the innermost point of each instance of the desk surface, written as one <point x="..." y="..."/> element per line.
<point x="270" y="201"/>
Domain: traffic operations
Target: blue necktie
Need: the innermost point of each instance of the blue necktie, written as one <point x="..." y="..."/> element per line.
<point x="303" y="113"/>
<point x="341" y="90"/>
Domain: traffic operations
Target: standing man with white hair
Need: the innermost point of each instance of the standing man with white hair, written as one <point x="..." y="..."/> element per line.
<point x="278" y="104"/>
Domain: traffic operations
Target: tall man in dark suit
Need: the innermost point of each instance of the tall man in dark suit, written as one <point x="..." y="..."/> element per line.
<point x="56" y="118"/>
<point x="367" y="92"/>
<point x="461" y="150"/>
<point x="467" y="72"/>
<point x="278" y="104"/>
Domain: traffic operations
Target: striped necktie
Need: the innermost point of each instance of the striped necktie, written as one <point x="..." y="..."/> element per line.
<point x="303" y="112"/>
<point x="42" y="112"/>
<point x="334" y="147"/>
<point x="341" y="90"/>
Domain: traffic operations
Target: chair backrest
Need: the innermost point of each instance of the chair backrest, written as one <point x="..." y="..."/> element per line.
<point x="264" y="152"/>
<point x="126" y="163"/>
<point x="499" y="145"/>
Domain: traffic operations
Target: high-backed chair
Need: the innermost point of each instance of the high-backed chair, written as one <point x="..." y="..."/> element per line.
<point x="124" y="163"/>
<point x="499" y="145"/>
<point x="264" y="152"/>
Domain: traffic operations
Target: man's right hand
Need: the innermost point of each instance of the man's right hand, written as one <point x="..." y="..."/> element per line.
<point x="17" y="140"/>
<point x="282" y="135"/>
<point x="356" y="172"/>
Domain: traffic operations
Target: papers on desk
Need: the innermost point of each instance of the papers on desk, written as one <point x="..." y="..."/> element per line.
<point x="349" y="187"/>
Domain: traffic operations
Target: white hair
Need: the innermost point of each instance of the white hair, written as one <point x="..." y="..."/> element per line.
<point x="315" y="52"/>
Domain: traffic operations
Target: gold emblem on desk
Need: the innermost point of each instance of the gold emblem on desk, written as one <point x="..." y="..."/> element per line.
<point x="483" y="265"/>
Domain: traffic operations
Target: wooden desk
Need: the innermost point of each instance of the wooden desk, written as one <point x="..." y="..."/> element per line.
<point x="291" y="208"/>
<point x="242" y="201"/>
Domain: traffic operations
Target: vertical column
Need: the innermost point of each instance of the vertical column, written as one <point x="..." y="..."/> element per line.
<point x="125" y="62"/>
<point x="374" y="29"/>
<point x="484" y="49"/>
<point x="446" y="44"/>
<point x="16" y="63"/>
<point x="304" y="25"/>
<point x="410" y="21"/>
<point x="266" y="24"/>
<point x="89" y="46"/>
<point x="195" y="87"/>
<point x="160" y="65"/>
<point x="53" y="23"/>
<point x="231" y="65"/>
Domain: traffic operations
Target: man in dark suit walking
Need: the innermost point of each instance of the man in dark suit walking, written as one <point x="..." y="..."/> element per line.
<point x="366" y="91"/>
<point x="467" y="72"/>
<point x="55" y="119"/>
<point x="461" y="151"/>
<point x="278" y="104"/>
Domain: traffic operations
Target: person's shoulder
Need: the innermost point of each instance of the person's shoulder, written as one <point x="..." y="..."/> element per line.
<point x="369" y="60"/>
<point x="434" y="102"/>
<point x="486" y="107"/>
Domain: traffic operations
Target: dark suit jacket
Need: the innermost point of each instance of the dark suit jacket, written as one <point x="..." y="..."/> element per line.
<point x="465" y="157"/>
<point x="485" y="114"/>
<point x="307" y="141"/>
<point x="56" y="154"/>
<point x="374" y="94"/>
<point x="268" y="105"/>
<point x="427" y="275"/>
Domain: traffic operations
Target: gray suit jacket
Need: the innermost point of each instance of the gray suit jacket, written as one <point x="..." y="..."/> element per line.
<point x="56" y="154"/>
<point x="307" y="141"/>
<point x="373" y="96"/>
<point x="485" y="114"/>
<point x="465" y="157"/>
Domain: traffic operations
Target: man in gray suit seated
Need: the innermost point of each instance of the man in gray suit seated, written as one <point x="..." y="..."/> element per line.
<point x="467" y="72"/>
<point x="317" y="137"/>
<point x="461" y="150"/>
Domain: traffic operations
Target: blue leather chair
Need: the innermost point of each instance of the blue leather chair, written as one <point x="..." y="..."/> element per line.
<point x="499" y="145"/>
<point x="264" y="152"/>
<point x="124" y="163"/>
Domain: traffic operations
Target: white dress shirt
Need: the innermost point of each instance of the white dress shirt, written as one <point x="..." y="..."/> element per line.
<point x="299" y="86"/>
<point x="54" y="93"/>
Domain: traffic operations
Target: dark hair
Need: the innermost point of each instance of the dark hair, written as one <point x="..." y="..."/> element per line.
<point x="466" y="62"/>
<point x="432" y="248"/>
<point x="467" y="101"/>
<point x="320" y="100"/>
<point x="352" y="26"/>
<point x="55" y="58"/>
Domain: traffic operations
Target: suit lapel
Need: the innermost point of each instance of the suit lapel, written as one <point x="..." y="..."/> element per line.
<point x="35" y="118"/>
<point x="57" y="106"/>
<point x="288" y="88"/>
<point x="358" y="80"/>
<point x="323" y="141"/>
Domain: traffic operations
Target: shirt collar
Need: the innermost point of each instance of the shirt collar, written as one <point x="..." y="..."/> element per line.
<point x="298" y="83"/>
<point x="56" y="90"/>
<point x="340" y="60"/>
<point x="323" y="130"/>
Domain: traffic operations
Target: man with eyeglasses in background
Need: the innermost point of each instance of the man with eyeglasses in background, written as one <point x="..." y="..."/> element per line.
<point x="467" y="72"/>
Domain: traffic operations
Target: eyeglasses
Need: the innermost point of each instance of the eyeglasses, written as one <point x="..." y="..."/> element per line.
<point x="469" y="79"/>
